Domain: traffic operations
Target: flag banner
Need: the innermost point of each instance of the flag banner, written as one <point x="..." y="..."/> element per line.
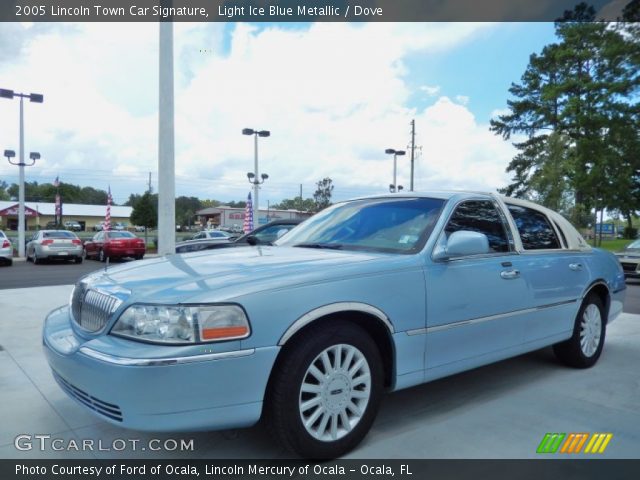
<point x="248" y="216"/>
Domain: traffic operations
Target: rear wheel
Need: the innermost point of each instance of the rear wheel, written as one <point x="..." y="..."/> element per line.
<point x="139" y="257"/>
<point x="101" y="256"/>
<point x="326" y="390"/>
<point x="36" y="260"/>
<point x="79" y="259"/>
<point x="583" y="349"/>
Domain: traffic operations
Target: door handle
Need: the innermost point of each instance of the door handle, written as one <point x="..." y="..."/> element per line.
<point x="575" y="266"/>
<point x="510" y="274"/>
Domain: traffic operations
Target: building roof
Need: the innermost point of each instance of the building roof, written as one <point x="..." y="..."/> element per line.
<point x="73" y="209"/>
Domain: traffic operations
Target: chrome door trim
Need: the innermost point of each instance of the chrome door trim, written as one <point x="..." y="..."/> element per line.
<point x="473" y="321"/>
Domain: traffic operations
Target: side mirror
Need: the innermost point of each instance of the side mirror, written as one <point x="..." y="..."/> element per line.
<point x="463" y="243"/>
<point x="252" y="240"/>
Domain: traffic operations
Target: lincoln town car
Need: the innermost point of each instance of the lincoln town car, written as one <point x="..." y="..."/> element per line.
<point x="371" y="295"/>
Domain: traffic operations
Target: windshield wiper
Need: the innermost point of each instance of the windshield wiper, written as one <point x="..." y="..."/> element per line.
<point x="331" y="246"/>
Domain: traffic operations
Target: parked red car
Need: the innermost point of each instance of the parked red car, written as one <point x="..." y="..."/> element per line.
<point x="112" y="244"/>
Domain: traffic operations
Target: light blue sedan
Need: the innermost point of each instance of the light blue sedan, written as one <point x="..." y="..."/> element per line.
<point x="371" y="295"/>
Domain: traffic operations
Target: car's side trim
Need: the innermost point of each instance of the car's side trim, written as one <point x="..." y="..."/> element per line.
<point x="309" y="317"/>
<point x="156" y="362"/>
<point x="473" y="321"/>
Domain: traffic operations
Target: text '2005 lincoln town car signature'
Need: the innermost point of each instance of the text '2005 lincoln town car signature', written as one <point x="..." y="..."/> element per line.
<point x="369" y="295"/>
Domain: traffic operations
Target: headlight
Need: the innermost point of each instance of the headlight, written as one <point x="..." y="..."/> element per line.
<point x="182" y="324"/>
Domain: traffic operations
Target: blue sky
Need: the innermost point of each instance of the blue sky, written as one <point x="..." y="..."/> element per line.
<point x="335" y="96"/>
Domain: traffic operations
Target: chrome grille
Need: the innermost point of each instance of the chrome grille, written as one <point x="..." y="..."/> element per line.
<point x="91" y="309"/>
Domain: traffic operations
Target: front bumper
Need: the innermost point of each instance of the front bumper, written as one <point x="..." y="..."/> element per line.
<point x="145" y="391"/>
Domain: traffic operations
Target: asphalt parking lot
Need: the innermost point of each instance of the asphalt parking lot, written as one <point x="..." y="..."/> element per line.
<point x="499" y="411"/>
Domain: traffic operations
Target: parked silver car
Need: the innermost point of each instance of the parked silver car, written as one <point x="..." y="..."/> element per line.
<point x="47" y="244"/>
<point x="6" y="250"/>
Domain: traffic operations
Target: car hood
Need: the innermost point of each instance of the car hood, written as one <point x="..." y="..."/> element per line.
<point x="221" y="275"/>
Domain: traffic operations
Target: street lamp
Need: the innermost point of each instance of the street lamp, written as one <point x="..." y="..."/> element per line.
<point x="35" y="98"/>
<point x="394" y="187"/>
<point x="254" y="177"/>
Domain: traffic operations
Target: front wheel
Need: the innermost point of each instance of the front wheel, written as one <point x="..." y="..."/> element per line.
<point x="326" y="391"/>
<point x="583" y="349"/>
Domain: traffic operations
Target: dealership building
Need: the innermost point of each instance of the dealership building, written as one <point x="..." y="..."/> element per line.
<point x="38" y="214"/>
<point x="233" y="218"/>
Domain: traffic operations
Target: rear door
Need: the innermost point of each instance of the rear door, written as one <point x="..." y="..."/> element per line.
<point x="556" y="274"/>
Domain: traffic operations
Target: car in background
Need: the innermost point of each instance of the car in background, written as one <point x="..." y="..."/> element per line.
<point x="212" y="234"/>
<point x="73" y="226"/>
<point x="98" y="227"/>
<point x="6" y="250"/>
<point x="114" y="244"/>
<point x="370" y="295"/>
<point x="119" y="226"/>
<point x="54" y="244"/>
<point x="263" y="235"/>
<point x="629" y="258"/>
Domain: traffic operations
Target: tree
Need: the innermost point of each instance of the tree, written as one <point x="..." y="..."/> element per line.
<point x="186" y="208"/>
<point x="4" y="195"/>
<point x="145" y="211"/>
<point x="306" y="205"/>
<point x="575" y="103"/>
<point x="322" y="195"/>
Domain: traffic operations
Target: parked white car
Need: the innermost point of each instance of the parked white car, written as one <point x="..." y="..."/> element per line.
<point x="6" y="250"/>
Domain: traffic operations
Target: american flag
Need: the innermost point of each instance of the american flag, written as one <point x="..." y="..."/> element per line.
<point x="248" y="216"/>
<point x="107" y="217"/>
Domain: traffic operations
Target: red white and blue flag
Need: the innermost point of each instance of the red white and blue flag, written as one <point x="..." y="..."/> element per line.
<point x="107" y="217"/>
<point x="248" y="216"/>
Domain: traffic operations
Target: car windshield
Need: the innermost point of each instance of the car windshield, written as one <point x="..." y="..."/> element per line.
<point x="394" y="225"/>
<point x="59" y="234"/>
<point x="121" y="235"/>
<point x="635" y="244"/>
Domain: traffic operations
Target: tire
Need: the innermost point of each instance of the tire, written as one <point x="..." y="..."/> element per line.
<point x="36" y="260"/>
<point x="101" y="256"/>
<point x="139" y="257"/>
<point x="78" y="259"/>
<point x="332" y="402"/>
<point x="583" y="349"/>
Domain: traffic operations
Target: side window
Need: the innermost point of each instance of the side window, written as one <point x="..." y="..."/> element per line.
<point x="534" y="228"/>
<point x="480" y="216"/>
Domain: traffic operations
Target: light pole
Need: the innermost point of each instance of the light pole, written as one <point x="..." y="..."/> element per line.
<point x="254" y="177"/>
<point x="21" y="223"/>
<point x="36" y="98"/>
<point x="394" y="187"/>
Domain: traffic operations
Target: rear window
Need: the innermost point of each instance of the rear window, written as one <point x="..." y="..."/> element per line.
<point x="121" y="235"/>
<point x="534" y="228"/>
<point x="60" y="234"/>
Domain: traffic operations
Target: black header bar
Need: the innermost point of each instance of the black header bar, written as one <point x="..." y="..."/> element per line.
<point x="297" y="10"/>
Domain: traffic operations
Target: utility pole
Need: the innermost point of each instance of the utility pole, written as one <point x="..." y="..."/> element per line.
<point x="149" y="189"/>
<point x="413" y="150"/>
<point x="300" y="205"/>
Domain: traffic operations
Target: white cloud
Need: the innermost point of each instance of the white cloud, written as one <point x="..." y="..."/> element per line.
<point x="334" y="95"/>
<point x="430" y="91"/>
<point x="462" y="99"/>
